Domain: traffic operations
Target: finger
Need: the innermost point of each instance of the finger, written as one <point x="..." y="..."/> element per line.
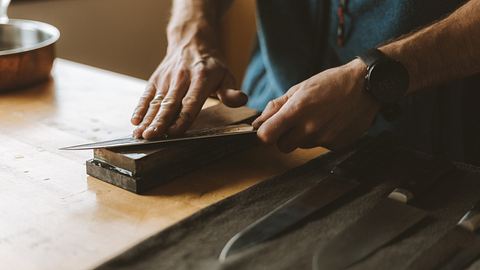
<point x="169" y="107"/>
<point x="278" y="124"/>
<point x="228" y="95"/>
<point x="142" y="105"/>
<point x="291" y="140"/>
<point x="191" y="104"/>
<point x="153" y="107"/>
<point x="272" y="108"/>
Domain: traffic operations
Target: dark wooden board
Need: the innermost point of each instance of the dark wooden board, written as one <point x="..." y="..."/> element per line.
<point x="196" y="242"/>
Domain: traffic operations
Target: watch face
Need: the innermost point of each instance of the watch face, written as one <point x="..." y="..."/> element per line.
<point x="388" y="81"/>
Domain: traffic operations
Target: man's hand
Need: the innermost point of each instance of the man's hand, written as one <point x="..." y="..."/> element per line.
<point x="330" y="109"/>
<point x="191" y="71"/>
<point x="178" y="89"/>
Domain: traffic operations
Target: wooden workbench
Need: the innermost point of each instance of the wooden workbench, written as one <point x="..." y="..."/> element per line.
<point x="52" y="216"/>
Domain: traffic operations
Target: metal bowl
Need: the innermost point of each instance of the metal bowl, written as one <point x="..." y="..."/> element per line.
<point x="27" y="52"/>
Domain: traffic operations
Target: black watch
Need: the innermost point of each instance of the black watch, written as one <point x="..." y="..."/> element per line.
<point x="387" y="81"/>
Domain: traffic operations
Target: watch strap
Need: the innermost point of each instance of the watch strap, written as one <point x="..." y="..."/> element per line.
<point x="390" y="111"/>
<point x="371" y="56"/>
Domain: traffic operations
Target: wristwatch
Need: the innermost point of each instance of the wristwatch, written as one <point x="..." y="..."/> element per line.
<point x="387" y="80"/>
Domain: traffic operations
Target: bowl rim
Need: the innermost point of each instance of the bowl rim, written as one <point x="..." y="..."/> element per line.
<point x="32" y="25"/>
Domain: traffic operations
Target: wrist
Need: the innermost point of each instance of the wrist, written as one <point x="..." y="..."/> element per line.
<point x="190" y="29"/>
<point x="358" y="70"/>
<point x="197" y="35"/>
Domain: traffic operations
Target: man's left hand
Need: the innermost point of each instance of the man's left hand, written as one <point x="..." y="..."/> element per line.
<point x="330" y="109"/>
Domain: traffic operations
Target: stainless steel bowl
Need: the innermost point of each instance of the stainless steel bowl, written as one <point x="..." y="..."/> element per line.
<point x="27" y="51"/>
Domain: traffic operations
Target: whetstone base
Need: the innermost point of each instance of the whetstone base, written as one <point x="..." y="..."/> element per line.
<point x="170" y="169"/>
<point x="139" y="169"/>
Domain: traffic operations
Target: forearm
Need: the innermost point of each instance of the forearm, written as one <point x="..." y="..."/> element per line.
<point x="446" y="50"/>
<point x="196" y="21"/>
<point x="192" y="70"/>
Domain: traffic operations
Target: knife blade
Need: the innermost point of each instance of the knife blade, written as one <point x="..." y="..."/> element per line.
<point x="189" y="135"/>
<point x="339" y="183"/>
<point x="457" y="249"/>
<point x="289" y="213"/>
<point x="387" y="220"/>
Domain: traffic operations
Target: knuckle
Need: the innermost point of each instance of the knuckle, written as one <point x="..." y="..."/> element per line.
<point x="140" y="107"/>
<point x="149" y="90"/>
<point x="200" y="62"/>
<point x="202" y="73"/>
<point x="147" y="120"/>
<point x="158" y="121"/>
<point x="143" y="101"/>
<point x="169" y="102"/>
<point x="190" y="101"/>
<point x="275" y="103"/>
<point x="157" y="100"/>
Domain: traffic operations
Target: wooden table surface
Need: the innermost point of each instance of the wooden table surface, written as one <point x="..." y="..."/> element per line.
<point x="54" y="216"/>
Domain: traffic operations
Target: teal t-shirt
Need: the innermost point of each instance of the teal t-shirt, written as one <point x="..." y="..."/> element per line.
<point x="297" y="39"/>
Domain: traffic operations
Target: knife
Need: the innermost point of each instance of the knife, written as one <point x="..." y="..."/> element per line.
<point x="289" y="213"/>
<point x="457" y="249"/>
<point x="337" y="184"/>
<point x="387" y="220"/>
<point x="189" y="135"/>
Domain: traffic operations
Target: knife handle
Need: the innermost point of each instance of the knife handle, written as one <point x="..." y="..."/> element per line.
<point x="471" y="220"/>
<point x="422" y="178"/>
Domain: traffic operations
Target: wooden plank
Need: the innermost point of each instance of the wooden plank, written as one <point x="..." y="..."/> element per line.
<point x="143" y="160"/>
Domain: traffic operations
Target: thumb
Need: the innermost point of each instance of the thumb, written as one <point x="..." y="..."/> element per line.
<point x="230" y="96"/>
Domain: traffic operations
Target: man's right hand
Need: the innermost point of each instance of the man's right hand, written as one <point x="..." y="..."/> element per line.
<point x="191" y="71"/>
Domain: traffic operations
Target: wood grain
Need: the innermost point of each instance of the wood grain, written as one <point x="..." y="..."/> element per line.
<point x="53" y="216"/>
